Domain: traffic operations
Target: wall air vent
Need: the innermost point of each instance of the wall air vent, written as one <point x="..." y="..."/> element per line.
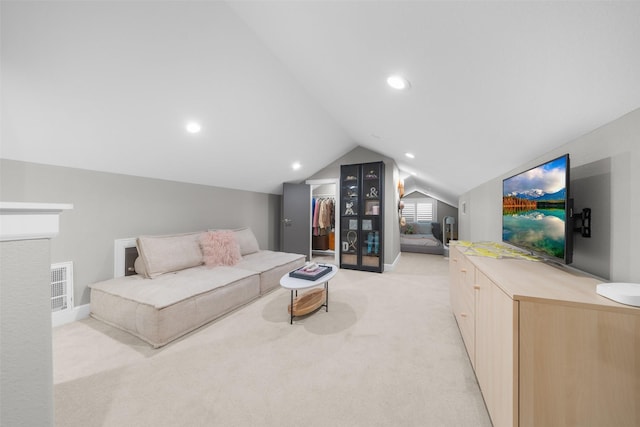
<point x="61" y="286"/>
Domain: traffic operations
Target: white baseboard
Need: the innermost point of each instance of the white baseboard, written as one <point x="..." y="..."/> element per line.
<point x="68" y="316"/>
<point x="390" y="267"/>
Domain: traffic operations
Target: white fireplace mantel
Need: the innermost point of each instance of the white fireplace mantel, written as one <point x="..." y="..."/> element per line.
<point x="26" y="221"/>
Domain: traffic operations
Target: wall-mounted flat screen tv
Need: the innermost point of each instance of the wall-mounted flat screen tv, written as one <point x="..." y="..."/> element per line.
<point x="536" y="211"/>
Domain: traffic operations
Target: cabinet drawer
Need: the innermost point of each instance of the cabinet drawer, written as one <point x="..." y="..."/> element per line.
<point x="462" y="288"/>
<point x="466" y="323"/>
<point x="467" y="272"/>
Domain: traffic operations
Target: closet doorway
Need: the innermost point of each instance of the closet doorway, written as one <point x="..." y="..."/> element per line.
<point x="324" y="220"/>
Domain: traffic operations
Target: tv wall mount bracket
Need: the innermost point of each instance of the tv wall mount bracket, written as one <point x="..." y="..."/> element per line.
<point x="585" y="222"/>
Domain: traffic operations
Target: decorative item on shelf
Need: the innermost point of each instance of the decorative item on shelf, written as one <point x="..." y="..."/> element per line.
<point x="349" y="209"/>
<point x="401" y="188"/>
<point x="403" y="220"/>
<point x="373" y="193"/>
<point x="369" y="243"/>
<point x="372" y="207"/>
<point x="352" y="239"/>
<point x="350" y="178"/>
<point x="371" y="175"/>
<point x="376" y="242"/>
<point x="373" y="241"/>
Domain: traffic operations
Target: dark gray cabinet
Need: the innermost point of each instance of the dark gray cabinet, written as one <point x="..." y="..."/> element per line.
<point x="362" y="217"/>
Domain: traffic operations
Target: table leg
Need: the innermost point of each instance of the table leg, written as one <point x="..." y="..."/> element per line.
<point x="326" y="300"/>
<point x="291" y="319"/>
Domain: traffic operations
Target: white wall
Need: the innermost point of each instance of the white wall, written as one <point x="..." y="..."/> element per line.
<point x="619" y="143"/>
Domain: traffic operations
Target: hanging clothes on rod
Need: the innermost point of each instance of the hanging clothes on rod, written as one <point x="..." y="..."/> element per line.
<point x="323" y="222"/>
<point x="323" y="215"/>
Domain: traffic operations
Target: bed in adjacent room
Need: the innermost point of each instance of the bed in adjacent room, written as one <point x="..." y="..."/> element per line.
<point x="422" y="237"/>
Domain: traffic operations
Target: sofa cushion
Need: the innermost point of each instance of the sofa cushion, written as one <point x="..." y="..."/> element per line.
<point x="271" y="265"/>
<point x="220" y="248"/>
<point x="247" y="241"/>
<point x="173" y="288"/>
<point x="163" y="309"/>
<point x="164" y="254"/>
<point x="138" y="266"/>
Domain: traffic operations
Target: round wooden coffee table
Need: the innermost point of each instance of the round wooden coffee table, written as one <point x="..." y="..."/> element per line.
<point x="309" y="301"/>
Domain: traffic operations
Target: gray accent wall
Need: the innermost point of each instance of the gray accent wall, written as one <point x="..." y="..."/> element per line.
<point x="442" y="209"/>
<point x="605" y="176"/>
<point x="111" y="206"/>
<point x="391" y="197"/>
<point x="591" y="188"/>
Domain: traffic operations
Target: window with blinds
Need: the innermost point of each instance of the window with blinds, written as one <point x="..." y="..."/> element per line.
<point x="409" y="212"/>
<point x="419" y="210"/>
<point x="424" y="212"/>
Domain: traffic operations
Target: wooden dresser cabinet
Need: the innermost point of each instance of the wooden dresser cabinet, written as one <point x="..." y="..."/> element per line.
<point x="547" y="350"/>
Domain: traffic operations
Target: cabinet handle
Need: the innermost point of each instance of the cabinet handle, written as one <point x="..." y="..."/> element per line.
<point x="463" y="270"/>
<point x="454" y="259"/>
<point x="463" y="314"/>
<point x="476" y="287"/>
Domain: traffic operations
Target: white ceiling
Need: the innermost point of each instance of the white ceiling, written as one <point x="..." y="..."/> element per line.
<point x="109" y="85"/>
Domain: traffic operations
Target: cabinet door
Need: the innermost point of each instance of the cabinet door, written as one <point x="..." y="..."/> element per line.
<point x="580" y="366"/>
<point x="462" y="274"/>
<point x="349" y="219"/>
<point x="372" y="236"/>
<point x="497" y="351"/>
<point x="361" y="219"/>
<point x="454" y="278"/>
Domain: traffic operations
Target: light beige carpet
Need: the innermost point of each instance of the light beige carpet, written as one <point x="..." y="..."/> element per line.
<point x="388" y="353"/>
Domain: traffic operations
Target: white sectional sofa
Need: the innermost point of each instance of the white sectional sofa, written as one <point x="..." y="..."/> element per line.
<point x="175" y="293"/>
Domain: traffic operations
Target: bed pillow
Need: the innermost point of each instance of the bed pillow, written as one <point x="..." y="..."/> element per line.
<point x="436" y="230"/>
<point x="165" y="254"/>
<point x="220" y="248"/>
<point x="247" y="241"/>
<point x="422" y="228"/>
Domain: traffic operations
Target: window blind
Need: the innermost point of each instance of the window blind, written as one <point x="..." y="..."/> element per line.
<point x="419" y="210"/>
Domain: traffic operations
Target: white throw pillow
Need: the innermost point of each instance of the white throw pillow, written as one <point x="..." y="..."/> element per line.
<point x="139" y="267"/>
<point x="164" y="254"/>
<point x="247" y="241"/>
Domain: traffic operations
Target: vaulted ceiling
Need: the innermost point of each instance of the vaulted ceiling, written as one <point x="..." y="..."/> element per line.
<point x="110" y="86"/>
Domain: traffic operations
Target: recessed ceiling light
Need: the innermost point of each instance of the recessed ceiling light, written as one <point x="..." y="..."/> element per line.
<point x="193" y="127"/>
<point x="410" y="155"/>
<point x="296" y="166"/>
<point x="398" y="82"/>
